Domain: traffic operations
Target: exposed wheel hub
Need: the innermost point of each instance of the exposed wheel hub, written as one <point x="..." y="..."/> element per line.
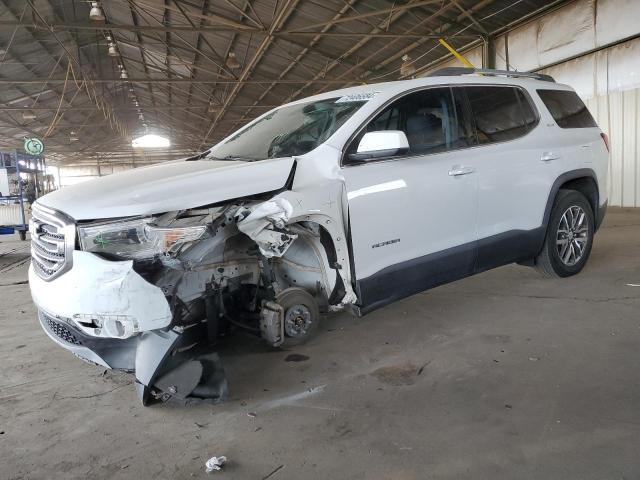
<point x="297" y="320"/>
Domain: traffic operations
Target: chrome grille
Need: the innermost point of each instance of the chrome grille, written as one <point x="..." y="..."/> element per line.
<point x="52" y="242"/>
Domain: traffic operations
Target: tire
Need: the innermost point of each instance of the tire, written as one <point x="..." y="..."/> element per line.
<point x="301" y="316"/>
<point x="569" y="236"/>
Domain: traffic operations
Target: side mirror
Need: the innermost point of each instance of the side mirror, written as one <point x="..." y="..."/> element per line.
<point x="384" y="143"/>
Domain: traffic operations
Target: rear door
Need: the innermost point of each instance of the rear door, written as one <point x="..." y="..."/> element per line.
<point x="514" y="178"/>
<point x="413" y="216"/>
<point x="576" y="133"/>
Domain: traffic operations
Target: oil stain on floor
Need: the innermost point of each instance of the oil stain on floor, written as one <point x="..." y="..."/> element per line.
<point x="296" y="357"/>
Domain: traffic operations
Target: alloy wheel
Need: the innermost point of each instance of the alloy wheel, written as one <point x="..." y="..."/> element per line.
<point x="572" y="235"/>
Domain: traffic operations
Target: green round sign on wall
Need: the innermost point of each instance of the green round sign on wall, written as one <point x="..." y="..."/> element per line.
<point x="33" y="146"/>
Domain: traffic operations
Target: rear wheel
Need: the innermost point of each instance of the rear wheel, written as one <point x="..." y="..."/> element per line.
<point x="301" y="315"/>
<point x="569" y="236"/>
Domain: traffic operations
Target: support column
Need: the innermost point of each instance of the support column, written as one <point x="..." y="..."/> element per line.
<point x="488" y="52"/>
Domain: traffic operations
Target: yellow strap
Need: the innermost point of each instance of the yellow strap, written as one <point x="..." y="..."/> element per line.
<point x="455" y="53"/>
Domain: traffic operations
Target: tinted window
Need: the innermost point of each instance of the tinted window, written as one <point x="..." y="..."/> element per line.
<point x="530" y="116"/>
<point x="466" y="133"/>
<point x="499" y="113"/>
<point x="567" y="109"/>
<point x="428" y="118"/>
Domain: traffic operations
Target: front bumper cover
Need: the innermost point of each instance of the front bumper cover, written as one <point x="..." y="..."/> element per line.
<point x="102" y="298"/>
<point x="168" y="363"/>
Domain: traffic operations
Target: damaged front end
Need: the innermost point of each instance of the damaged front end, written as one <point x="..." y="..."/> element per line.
<point x="164" y="290"/>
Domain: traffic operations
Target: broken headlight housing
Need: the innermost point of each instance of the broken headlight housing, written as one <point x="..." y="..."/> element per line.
<point x="136" y="239"/>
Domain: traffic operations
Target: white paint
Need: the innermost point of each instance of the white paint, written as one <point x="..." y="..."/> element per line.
<point x="383" y="140"/>
<point x="431" y="212"/>
<point x="261" y="222"/>
<point x="168" y="186"/>
<point x="95" y="286"/>
<point x="379" y="188"/>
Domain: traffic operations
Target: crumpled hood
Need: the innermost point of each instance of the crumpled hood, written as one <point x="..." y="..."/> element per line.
<point x="168" y="186"/>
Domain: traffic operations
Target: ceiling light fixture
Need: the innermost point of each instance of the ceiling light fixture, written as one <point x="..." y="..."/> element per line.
<point x="28" y="116"/>
<point x="96" y="13"/>
<point x="123" y="74"/>
<point x="150" y="141"/>
<point x="113" y="52"/>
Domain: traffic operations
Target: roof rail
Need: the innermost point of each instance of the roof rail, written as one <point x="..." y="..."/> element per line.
<point x="457" y="71"/>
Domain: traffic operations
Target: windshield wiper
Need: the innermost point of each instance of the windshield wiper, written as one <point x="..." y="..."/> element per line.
<point x="234" y="157"/>
<point x="199" y="156"/>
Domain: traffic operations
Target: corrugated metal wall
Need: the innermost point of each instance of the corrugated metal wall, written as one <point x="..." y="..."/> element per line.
<point x="608" y="79"/>
<point x="617" y="114"/>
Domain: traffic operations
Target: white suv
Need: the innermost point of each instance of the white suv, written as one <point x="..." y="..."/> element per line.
<point x="349" y="199"/>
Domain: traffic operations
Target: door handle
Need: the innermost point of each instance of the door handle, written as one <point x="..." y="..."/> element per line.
<point x="458" y="170"/>
<point x="549" y="156"/>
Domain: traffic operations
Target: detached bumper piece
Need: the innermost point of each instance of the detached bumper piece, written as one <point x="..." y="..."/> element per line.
<point x="177" y="367"/>
<point x="169" y="366"/>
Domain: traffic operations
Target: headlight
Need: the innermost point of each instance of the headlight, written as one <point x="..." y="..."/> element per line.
<point x="136" y="239"/>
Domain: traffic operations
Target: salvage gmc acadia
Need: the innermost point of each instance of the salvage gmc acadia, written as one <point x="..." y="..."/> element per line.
<point x="350" y="199"/>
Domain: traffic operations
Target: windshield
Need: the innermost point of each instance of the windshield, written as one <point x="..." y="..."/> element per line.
<point x="287" y="131"/>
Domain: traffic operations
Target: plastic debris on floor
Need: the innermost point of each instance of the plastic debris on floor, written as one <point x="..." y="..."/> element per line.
<point x="215" y="463"/>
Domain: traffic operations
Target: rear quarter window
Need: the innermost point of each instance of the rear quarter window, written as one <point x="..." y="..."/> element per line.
<point x="501" y="113"/>
<point x="567" y="109"/>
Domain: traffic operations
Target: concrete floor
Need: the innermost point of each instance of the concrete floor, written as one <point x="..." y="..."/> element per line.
<point x="502" y="376"/>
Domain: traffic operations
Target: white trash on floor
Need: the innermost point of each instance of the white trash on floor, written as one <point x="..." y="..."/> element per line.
<point x="215" y="463"/>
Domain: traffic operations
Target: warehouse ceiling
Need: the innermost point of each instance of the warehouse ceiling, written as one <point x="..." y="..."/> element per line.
<point x="195" y="70"/>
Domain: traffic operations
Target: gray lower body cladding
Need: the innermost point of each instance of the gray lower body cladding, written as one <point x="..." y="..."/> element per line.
<point x="168" y="365"/>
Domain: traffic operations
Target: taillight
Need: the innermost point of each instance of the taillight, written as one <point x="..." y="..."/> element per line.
<point x="605" y="139"/>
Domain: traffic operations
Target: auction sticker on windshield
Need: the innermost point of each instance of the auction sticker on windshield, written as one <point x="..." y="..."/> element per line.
<point x="357" y="97"/>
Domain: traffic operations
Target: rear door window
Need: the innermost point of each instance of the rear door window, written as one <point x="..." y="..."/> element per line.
<point x="530" y="115"/>
<point x="501" y="113"/>
<point x="466" y="133"/>
<point x="567" y="109"/>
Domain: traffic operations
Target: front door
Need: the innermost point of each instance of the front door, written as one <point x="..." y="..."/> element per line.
<point x="413" y="216"/>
